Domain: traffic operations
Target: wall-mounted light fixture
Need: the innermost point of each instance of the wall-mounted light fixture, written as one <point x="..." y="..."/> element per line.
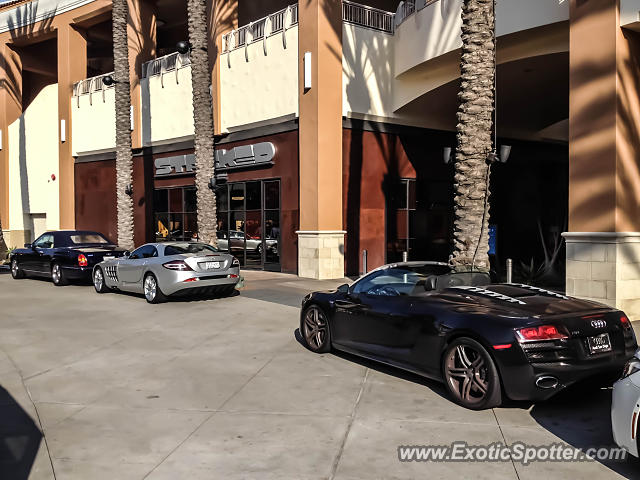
<point x="63" y="130"/>
<point x="129" y="190"/>
<point x="108" y="80"/>
<point x="307" y="70"/>
<point x="505" y="152"/>
<point x="183" y="47"/>
<point x="447" y="155"/>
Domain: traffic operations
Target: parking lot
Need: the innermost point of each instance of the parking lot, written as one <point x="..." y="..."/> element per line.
<point x="222" y="388"/>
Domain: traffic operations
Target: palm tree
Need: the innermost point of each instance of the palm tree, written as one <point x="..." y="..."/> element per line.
<point x="202" y="120"/>
<point x="124" y="158"/>
<point x="3" y="244"/>
<point x="471" y="180"/>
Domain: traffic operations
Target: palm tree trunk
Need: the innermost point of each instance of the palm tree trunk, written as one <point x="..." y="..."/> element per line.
<point x="124" y="158"/>
<point x="3" y="244"/>
<point x="471" y="180"/>
<point x="202" y="120"/>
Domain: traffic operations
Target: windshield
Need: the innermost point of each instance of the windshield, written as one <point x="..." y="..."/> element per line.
<point x="415" y="280"/>
<point x="187" y="247"/>
<point x="87" y="238"/>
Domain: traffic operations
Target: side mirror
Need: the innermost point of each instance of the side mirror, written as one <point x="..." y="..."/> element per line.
<point x="28" y="245"/>
<point x="344" y="288"/>
<point x="126" y="254"/>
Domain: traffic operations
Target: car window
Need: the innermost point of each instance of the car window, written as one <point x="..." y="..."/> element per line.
<point x="44" y="241"/>
<point x="188" y="247"/>
<point x="87" y="238"/>
<point x="390" y="281"/>
<point x="145" y="251"/>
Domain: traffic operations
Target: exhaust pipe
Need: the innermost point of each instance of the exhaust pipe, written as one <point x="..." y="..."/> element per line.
<point x="547" y="382"/>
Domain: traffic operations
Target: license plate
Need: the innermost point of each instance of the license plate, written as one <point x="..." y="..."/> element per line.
<point x="599" y="343"/>
<point x="212" y="265"/>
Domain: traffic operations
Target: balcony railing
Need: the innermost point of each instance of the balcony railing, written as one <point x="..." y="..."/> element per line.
<point x="90" y="85"/>
<point x="367" y="17"/>
<point x="407" y="8"/>
<point x="258" y="30"/>
<point x="165" y="64"/>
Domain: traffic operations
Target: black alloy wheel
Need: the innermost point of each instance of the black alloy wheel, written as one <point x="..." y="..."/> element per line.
<point x="470" y="375"/>
<point x="314" y="328"/>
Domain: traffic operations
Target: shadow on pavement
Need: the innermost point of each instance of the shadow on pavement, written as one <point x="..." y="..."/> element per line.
<point x="433" y="385"/>
<point x="19" y="439"/>
<point x="581" y="417"/>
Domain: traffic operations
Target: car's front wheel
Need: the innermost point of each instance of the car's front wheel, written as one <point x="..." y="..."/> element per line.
<point x="98" y="281"/>
<point x="315" y="329"/>
<point x="152" y="291"/>
<point x="16" y="271"/>
<point x="58" y="276"/>
<point x="470" y="375"/>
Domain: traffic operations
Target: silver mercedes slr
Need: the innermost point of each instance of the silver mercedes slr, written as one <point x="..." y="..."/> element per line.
<point x="160" y="270"/>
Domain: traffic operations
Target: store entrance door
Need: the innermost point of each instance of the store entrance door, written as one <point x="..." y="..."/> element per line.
<point x="249" y="222"/>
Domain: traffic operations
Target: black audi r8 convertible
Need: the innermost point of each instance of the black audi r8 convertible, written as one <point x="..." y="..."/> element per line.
<point x="63" y="256"/>
<point x="482" y="340"/>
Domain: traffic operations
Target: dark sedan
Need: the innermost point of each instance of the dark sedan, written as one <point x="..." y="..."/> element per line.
<point x="482" y="340"/>
<point x="63" y="256"/>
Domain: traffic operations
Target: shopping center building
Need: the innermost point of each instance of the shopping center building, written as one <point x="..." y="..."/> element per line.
<point x="333" y="127"/>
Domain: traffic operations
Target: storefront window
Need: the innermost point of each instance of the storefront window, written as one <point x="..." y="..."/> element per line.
<point x="249" y="222"/>
<point x="175" y="213"/>
<point x="419" y="220"/>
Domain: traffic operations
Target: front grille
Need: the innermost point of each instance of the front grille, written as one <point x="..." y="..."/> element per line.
<point x="111" y="272"/>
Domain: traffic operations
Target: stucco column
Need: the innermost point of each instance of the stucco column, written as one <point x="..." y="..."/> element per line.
<point x="10" y="108"/>
<point x="72" y="67"/>
<point x="321" y="238"/>
<point x="603" y="243"/>
<point x="141" y="34"/>
<point x="222" y="17"/>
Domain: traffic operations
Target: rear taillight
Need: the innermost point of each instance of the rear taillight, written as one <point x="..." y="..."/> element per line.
<point x="82" y="260"/>
<point x="626" y="324"/>
<point x="177" y="265"/>
<point x="544" y="332"/>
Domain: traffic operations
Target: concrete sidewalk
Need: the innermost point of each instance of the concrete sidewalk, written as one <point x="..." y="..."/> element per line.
<point x="223" y="389"/>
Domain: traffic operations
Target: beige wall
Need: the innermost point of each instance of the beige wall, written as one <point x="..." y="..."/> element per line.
<point x="367" y="73"/>
<point x="93" y="122"/>
<point x="33" y="158"/>
<point x="435" y="30"/>
<point x="260" y="87"/>
<point x="167" y="107"/>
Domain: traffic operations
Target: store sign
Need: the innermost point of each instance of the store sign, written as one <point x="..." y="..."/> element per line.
<point x="244" y="156"/>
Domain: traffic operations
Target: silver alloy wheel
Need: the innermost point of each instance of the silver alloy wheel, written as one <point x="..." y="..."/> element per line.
<point x="55" y="273"/>
<point x="315" y="328"/>
<point x="98" y="279"/>
<point x="14" y="268"/>
<point x="467" y="374"/>
<point x="150" y="288"/>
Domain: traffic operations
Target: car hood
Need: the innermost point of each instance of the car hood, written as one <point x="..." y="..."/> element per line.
<point x="526" y="300"/>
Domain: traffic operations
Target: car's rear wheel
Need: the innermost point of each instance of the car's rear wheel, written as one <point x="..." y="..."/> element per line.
<point x="471" y="375"/>
<point x="58" y="276"/>
<point x="315" y="330"/>
<point x="16" y="271"/>
<point x="152" y="291"/>
<point x="98" y="281"/>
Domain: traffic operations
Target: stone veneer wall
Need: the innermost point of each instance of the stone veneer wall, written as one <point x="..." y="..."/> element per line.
<point x="605" y="267"/>
<point x="321" y="254"/>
